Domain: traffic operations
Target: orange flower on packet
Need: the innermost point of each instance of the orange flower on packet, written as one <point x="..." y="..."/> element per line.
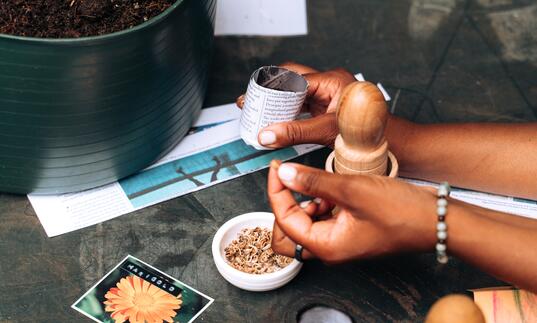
<point x="137" y="301"/>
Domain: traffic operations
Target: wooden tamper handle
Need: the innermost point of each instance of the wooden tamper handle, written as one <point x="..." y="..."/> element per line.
<point x="361" y="147"/>
<point x="455" y="308"/>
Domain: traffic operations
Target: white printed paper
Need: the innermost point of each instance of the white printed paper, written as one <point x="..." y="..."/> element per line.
<point x="212" y="153"/>
<point x="274" y="95"/>
<point x="261" y="18"/>
<point x="506" y="204"/>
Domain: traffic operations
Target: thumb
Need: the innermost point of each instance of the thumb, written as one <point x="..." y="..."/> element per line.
<point x="318" y="130"/>
<point x="342" y="190"/>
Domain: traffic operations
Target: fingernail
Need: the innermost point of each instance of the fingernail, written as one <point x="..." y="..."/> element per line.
<point x="286" y="173"/>
<point x="267" y="137"/>
<point x="304" y="204"/>
<point x="275" y="163"/>
<point x="317" y="200"/>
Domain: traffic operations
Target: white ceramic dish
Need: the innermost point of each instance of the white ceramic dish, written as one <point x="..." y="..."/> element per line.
<point x="256" y="283"/>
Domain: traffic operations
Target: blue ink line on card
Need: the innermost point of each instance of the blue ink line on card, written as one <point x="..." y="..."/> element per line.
<point x="180" y="176"/>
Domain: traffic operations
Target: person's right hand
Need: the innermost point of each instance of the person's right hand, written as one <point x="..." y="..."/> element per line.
<point x="376" y="215"/>
<point x="323" y="95"/>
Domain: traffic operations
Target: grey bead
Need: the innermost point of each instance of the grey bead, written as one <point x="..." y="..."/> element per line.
<point x="441" y="210"/>
<point x="443" y="258"/>
<point x="441" y="247"/>
<point x="441" y="202"/>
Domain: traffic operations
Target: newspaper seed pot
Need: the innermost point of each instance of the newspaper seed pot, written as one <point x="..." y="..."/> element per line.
<point x="274" y="94"/>
<point x="79" y="113"/>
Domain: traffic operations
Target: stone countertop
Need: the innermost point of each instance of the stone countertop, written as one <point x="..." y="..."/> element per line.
<point x="441" y="61"/>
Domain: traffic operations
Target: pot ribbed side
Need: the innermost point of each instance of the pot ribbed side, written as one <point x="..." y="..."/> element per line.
<point x="77" y="114"/>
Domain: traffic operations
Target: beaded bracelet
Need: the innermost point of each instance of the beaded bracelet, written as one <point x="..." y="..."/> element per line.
<point x="441" y="227"/>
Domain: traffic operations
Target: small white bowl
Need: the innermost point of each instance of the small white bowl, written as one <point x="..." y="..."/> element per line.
<point x="256" y="283"/>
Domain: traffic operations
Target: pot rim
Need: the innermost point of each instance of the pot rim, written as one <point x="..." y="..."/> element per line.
<point x="156" y="19"/>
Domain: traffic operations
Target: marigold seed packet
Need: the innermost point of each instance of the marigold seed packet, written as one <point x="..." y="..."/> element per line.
<point x="136" y="292"/>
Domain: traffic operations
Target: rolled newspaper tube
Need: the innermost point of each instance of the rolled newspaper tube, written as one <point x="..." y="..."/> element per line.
<point x="274" y="94"/>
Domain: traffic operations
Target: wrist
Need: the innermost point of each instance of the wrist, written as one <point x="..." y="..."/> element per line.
<point x="401" y="134"/>
<point x="418" y="229"/>
<point x="428" y="231"/>
<point x="454" y="219"/>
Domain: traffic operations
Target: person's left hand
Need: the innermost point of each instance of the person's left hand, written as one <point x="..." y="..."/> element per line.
<point x="324" y="90"/>
<point x="376" y="215"/>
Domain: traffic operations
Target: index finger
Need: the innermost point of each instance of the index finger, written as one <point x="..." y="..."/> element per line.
<point x="299" y="68"/>
<point x="292" y="220"/>
<point x="310" y="74"/>
<point x="292" y="66"/>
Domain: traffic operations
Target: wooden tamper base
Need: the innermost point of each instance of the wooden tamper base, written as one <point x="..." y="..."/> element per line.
<point x="361" y="147"/>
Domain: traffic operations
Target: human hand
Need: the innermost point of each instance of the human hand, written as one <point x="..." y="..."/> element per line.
<point x="321" y="101"/>
<point x="376" y="215"/>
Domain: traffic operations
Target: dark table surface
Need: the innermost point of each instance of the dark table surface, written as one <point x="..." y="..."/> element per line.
<point x="441" y="60"/>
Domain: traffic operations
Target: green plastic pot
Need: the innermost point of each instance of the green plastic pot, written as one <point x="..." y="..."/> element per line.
<point x="79" y="113"/>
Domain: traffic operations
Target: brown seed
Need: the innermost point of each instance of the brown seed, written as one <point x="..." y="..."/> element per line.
<point x="251" y="252"/>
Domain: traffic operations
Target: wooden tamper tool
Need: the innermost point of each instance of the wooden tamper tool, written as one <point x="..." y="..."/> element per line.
<point x="455" y="309"/>
<point x="361" y="147"/>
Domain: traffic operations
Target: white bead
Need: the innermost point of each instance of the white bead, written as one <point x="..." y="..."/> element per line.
<point x="441" y="247"/>
<point x="441" y="226"/>
<point x="443" y="259"/>
<point x="442" y="191"/>
<point x="441" y="210"/>
<point x="442" y="235"/>
<point x="442" y="202"/>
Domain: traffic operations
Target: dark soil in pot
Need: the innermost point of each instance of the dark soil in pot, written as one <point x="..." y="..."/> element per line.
<point x="75" y="18"/>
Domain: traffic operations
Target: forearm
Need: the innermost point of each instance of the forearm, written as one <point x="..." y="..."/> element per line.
<point x="505" y="250"/>
<point x="498" y="158"/>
